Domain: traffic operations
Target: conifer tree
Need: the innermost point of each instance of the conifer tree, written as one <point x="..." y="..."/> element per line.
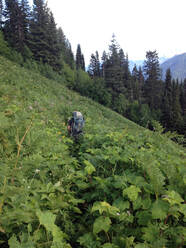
<point x="54" y="55"/>
<point x="94" y="67"/>
<point x="65" y="48"/>
<point x="114" y="68"/>
<point x="167" y="102"/>
<point x="12" y="16"/>
<point x="140" y="75"/>
<point x="16" y="23"/>
<point x="38" y="31"/>
<point x="103" y="64"/>
<point x="176" y="107"/>
<point x="136" y="84"/>
<point x="26" y="14"/>
<point x="183" y="98"/>
<point x="80" y="63"/>
<point x="43" y="38"/>
<point x="69" y="54"/>
<point x="152" y="83"/>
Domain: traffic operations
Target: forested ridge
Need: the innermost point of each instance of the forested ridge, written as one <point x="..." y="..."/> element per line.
<point x="122" y="186"/>
<point x="140" y="95"/>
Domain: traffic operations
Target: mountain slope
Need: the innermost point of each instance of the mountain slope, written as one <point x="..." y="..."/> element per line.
<point x="123" y="186"/>
<point x="177" y="65"/>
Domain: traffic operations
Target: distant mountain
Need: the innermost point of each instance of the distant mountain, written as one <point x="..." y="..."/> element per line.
<point x="140" y="62"/>
<point x="177" y="65"/>
<point x="135" y="62"/>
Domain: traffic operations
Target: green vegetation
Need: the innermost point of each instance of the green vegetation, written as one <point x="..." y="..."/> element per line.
<point x="30" y="37"/>
<point x="123" y="186"/>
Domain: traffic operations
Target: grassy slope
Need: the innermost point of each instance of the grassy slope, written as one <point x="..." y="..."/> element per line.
<point x="34" y="109"/>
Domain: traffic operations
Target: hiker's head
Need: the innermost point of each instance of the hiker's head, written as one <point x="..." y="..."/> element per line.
<point x="76" y="114"/>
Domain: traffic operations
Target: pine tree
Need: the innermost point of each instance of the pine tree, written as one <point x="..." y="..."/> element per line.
<point x="135" y="73"/>
<point x="167" y="102"/>
<point x="80" y="63"/>
<point x="38" y="31"/>
<point x="94" y="67"/>
<point x="65" y="48"/>
<point x="52" y="40"/>
<point x="183" y="98"/>
<point x="12" y="24"/>
<point x="176" y="107"/>
<point x="136" y="84"/>
<point x="25" y="13"/>
<point x="16" y="22"/>
<point x="103" y="63"/>
<point x="43" y="36"/>
<point x="152" y="84"/>
<point x="69" y="55"/>
<point x="114" y="68"/>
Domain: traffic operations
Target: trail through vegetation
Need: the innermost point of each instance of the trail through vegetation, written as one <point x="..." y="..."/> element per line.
<point x="122" y="186"/>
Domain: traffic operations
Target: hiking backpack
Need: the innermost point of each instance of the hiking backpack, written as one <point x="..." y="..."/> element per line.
<point x="78" y="123"/>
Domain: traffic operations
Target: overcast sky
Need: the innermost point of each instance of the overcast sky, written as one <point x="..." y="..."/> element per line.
<point x="139" y="25"/>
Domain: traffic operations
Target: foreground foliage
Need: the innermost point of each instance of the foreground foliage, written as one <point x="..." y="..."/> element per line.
<point x="123" y="186"/>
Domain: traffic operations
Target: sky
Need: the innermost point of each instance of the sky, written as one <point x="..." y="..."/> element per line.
<point x="139" y="25"/>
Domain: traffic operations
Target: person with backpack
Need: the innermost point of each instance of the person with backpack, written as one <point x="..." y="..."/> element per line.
<point x="76" y="124"/>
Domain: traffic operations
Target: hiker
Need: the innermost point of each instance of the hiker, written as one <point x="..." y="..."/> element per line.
<point x="75" y="124"/>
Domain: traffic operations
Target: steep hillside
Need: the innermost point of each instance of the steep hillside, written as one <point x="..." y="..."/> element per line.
<point x="177" y="65"/>
<point x="122" y="186"/>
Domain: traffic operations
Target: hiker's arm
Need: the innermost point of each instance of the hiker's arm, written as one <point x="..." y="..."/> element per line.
<point x="69" y="125"/>
<point x="69" y="128"/>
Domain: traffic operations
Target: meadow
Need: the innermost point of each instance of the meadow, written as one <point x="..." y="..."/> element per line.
<point x="120" y="186"/>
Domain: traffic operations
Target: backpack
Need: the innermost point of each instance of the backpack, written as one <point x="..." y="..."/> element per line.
<point x="78" y="123"/>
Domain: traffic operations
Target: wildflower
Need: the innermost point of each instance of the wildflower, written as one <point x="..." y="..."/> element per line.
<point x="30" y="107"/>
<point x="28" y="187"/>
<point x="118" y="213"/>
<point x="128" y="212"/>
<point x="57" y="184"/>
<point x="37" y="171"/>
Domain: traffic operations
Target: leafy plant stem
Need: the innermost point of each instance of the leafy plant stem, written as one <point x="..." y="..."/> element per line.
<point x="19" y="144"/>
<point x="108" y="238"/>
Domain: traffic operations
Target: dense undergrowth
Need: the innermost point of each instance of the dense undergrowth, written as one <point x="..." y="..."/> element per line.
<point x="122" y="186"/>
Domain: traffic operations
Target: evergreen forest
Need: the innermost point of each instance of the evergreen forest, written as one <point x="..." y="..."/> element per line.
<point x="124" y="184"/>
<point x="140" y="95"/>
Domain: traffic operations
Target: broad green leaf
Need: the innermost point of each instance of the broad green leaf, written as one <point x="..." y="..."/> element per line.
<point x="121" y="204"/>
<point x="109" y="245"/>
<point x="182" y="209"/>
<point x="89" y="169"/>
<point x="129" y="241"/>
<point x="159" y="210"/>
<point x="104" y="207"/>
<point x="146" y="203"/>
<point x="47" y="219"/>
<point x="13" y="242"/>
<point x="132" y="192"/>
<point x="144" y="217"/>
<point x="88" y="240"/>
<point x="141" y="246"/>
<point x="151" y="233"/>
<point x="101" y="224"/>
<point x="173" y="198"/>
<point x="137" y="203"/>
